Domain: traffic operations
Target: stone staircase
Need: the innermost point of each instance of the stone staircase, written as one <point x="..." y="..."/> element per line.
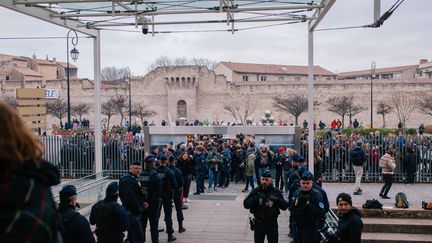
<point x="397" y="225"/>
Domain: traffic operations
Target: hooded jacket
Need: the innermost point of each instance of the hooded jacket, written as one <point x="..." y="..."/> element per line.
<point x="387" y="164"/>
<point x="350" y="227"/>
<point x="27" y="209"/>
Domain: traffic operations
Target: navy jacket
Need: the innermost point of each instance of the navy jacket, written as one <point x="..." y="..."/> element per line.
<point x="77" y="229"/>
<point x="130" y="194"/>
<point x="178" y="175"/>
<point x="111" y="220"/>
<point x="358" y="156"/>
<point x="169" y="183"/>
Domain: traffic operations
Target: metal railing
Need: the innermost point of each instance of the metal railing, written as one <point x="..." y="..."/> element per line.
<point x="336" y="163"/>
<point x="74" y="156"/>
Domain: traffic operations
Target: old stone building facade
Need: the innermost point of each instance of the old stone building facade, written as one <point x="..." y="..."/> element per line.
<point x="195" y="92"/>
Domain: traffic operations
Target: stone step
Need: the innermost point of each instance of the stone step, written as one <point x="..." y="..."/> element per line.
<point x="398" y="225"/>
<point x="395" y="238"/>
<point x="398" y="213"/>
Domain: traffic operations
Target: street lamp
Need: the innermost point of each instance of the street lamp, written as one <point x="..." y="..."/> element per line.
<point x="373" y="74"/>
<point x="127" y="77"/>
<point x="74" y="54"/>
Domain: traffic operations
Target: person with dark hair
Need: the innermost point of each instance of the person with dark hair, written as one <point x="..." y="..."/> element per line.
<point x="358" y="159"/>
<point x="132" y="198"/>
<point x="177" y="192"/>
<point x="350" y="225"/>
<point x="186" y="164"/>
<point x="110" y="218"/>
<point x="308" y="210"/>
<point x="409" y="162"/>
<point x="27" y="209"/>
<point x="151" y="187"/>
<point x="265" y="203"/>
<point x="214" y="162"/>
<point x="75" y="227"/>
<point x="387" y="164"/>
<point x="200" y="169"/>
<point x="169" y="185"/>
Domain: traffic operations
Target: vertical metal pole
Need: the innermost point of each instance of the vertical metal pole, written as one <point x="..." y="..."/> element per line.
<point x="373" y="66"/>
<point x="311" y="101"/>
<point x="97" y="89"/>
<point x="130" y="104"/>
<point x="377" y="10"/>
<point x="68" y="85"/>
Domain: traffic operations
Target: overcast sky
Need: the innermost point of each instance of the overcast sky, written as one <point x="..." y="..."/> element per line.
<point x="405" y="38"/>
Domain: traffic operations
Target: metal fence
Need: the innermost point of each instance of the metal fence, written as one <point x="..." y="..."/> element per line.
<point x="336" y="164"/>
<point x="74" y="156"/>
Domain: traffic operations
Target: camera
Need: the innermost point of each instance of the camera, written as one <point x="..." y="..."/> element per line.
<point x="145" y="29"/>
<point x="144" y="23"/>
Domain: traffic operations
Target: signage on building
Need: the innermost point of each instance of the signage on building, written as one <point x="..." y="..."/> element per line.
<point x="52" y="93"/>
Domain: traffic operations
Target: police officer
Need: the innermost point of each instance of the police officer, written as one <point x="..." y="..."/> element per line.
<point x="265" y="203"/>
<point x="75" y="227"/>
<point x="308" y="210"/>
<point x="151" y="186"/>
<point x="169" y="184"/>
<point x="133" y="200"/>
<point x="111" y="218"/>
<point x="177" y="192"/>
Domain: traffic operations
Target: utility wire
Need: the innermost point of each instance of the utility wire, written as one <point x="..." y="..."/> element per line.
<point x="378" y="23"/>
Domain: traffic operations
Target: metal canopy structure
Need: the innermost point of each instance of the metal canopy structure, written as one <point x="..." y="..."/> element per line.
<point x="89" y="17"/>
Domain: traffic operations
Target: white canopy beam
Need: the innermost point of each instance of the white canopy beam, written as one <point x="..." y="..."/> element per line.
<point x="46" y="15"/>
<point x="318" y="16"/>
<point x="188" y="12"/>
<point x="320" y="13"/>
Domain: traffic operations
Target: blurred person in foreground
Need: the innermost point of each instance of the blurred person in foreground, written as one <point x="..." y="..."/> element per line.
<point x="27" y="209"/>
<point x="350" y="225"/>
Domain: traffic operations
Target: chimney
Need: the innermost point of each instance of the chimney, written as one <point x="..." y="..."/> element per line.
<point x="54" y="59"/>
<point x="423" y="61"/>
<point x="47" y="58"/>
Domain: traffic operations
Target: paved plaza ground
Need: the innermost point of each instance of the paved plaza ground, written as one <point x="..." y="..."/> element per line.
<point x="219" y="217"/>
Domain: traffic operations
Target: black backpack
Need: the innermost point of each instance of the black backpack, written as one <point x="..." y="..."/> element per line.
<point x="372" y="204"/>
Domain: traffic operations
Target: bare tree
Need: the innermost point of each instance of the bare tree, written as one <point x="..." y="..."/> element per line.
<point x="120" y="106"/>
<point x="404" y="105"/>
<point x="10" y="100"/>
<point x="164" y="61"/>
<point x="383" y="109"/>
<point x="353" y="111"/>
<point x="57" y="108"/>
<point x="341" y="105"/>
<point x="425" y="104"/>
<point x="142" y="111"/>
<point x="294" y="104"/>
<point x="108" y="110"/>
<point x="204" y="62"/>
<point x="112" y="73"/>
<point x="81" y="109"/>
<point x="240" y="113"/>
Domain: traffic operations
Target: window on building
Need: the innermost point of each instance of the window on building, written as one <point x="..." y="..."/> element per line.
<point x="7" y="77"/>
<point x="263" y="78"/>
<point x="281" y="78"/>
<point x="245" y="78"/>
<point x="387" y="76"/>
<point x="297" y="78"/>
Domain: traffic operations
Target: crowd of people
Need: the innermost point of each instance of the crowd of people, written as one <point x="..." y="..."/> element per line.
<point x="278" y="178"/>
